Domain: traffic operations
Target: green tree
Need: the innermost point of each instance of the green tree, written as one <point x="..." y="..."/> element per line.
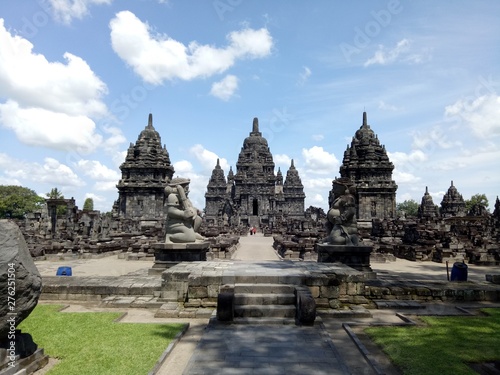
<point x="89" y="204"/>
<point x="17" y="201"/>
<point x="55" y="193"/>
<point x="409" y="207"/>
<point x="476" y="199"/>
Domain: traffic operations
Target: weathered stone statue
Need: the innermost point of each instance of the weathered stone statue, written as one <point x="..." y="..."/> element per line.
<point x="342" y="226"/>
<point x="343" y="245"/>
<point x="183" y="221"/>
<point x="20" y="288"/>
<point x="182" y="243"/>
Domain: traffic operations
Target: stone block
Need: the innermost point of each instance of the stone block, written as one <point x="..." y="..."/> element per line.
<point x="212" y="291"/>
<point x="330" y="292"/>
<point x="315" y="291"/>
<point x="197" y="292"/>
<point x="493" y="278"/>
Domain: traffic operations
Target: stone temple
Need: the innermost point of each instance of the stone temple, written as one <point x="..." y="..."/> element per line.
<point x="145" y="173"/>
<point x="255" y="195"/>
<point x="366" y="163"/>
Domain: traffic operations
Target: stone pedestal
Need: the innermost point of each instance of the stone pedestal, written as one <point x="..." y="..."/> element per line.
<point x="357" y="257"/>
<point x="169" y="254"/>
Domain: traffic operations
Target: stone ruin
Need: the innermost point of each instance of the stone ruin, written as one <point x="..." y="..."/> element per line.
<point x="440" y="235"/>
<point x="256" y="196"/>
<point x="136" y="222"/>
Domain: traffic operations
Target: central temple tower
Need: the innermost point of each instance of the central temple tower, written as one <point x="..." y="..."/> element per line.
<point x="254" y="195"/>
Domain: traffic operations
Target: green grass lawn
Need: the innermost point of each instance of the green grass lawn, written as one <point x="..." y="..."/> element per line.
<point x="444" y="345"/>
<point x="92" y="343"/>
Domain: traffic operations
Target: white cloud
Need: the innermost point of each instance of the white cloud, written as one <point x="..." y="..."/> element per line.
<point x="65" y="10"/>
<point x="156" y="58"/>
<point x="319" y="161"/>
<point x="282" y="159"/>
<point x="51" y="172"/>
<point x="32" y="81"/>
<point x="402" y="158"/>
<point x="97" y="171"/>
<point x="429" y="140"/>
<point x="225" y="88"/>
<point x="106" y="186"/>
<point x="116" y="137"/>
<point x="304" y="75"/>
<point x="387" y="107"/>
<point x="481" y="115"/>
<point x="207" y="159"/>
<point x="400" y="52"/>
<point x="40" y="127"/>
<point x="182" y="168"/>
<point x="318" y="137"/>
<point x="404" y="177"/>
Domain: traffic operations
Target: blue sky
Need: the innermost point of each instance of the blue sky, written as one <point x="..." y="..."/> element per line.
<point x="78" y="79"/>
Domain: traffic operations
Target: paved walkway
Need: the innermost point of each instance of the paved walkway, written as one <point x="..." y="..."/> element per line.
<point x="265" y="349"/>
<point x="255" y="247"/>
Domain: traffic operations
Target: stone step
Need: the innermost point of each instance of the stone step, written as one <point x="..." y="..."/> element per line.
<point x="264" y="299"/>
<point x="257" y="311"/>
<point x="264" y="288"/>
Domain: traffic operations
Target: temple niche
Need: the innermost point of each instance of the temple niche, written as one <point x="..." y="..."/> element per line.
<point x="255" y="195"/>
<point x="145" y="173"/>
<point x="367" y="165"/>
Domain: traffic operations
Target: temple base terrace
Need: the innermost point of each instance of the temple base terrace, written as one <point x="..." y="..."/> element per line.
<point x="190" y="289"/>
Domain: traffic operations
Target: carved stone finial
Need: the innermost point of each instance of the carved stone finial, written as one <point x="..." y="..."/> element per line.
<point x="255" y="127"/>
<point x="150" y="120"/>
<point x="365" y="122"/>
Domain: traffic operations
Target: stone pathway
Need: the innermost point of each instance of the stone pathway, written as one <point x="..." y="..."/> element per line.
<point x="255" y="247"/>
<point x="265" y="349"/>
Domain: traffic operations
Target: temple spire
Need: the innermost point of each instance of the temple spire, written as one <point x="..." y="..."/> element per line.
<point x="255" y="127"/>
<point x="365" y="122"/>
<point x="150" y="120"/>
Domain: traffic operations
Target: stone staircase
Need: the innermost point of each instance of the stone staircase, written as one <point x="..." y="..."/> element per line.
<point x="264" y="301"/>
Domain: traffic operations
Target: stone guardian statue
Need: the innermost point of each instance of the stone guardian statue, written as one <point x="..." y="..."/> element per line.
<point x="183" y="221"/>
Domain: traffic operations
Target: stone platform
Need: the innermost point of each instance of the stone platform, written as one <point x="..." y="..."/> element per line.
<point x="192" y="286"/>
<point x="169" y="254"/>
<point x="357" y="257"/>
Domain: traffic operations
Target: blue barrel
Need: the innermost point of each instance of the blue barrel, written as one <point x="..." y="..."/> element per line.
<point x="64" y="271"/>
<point x="459" y="272"/>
